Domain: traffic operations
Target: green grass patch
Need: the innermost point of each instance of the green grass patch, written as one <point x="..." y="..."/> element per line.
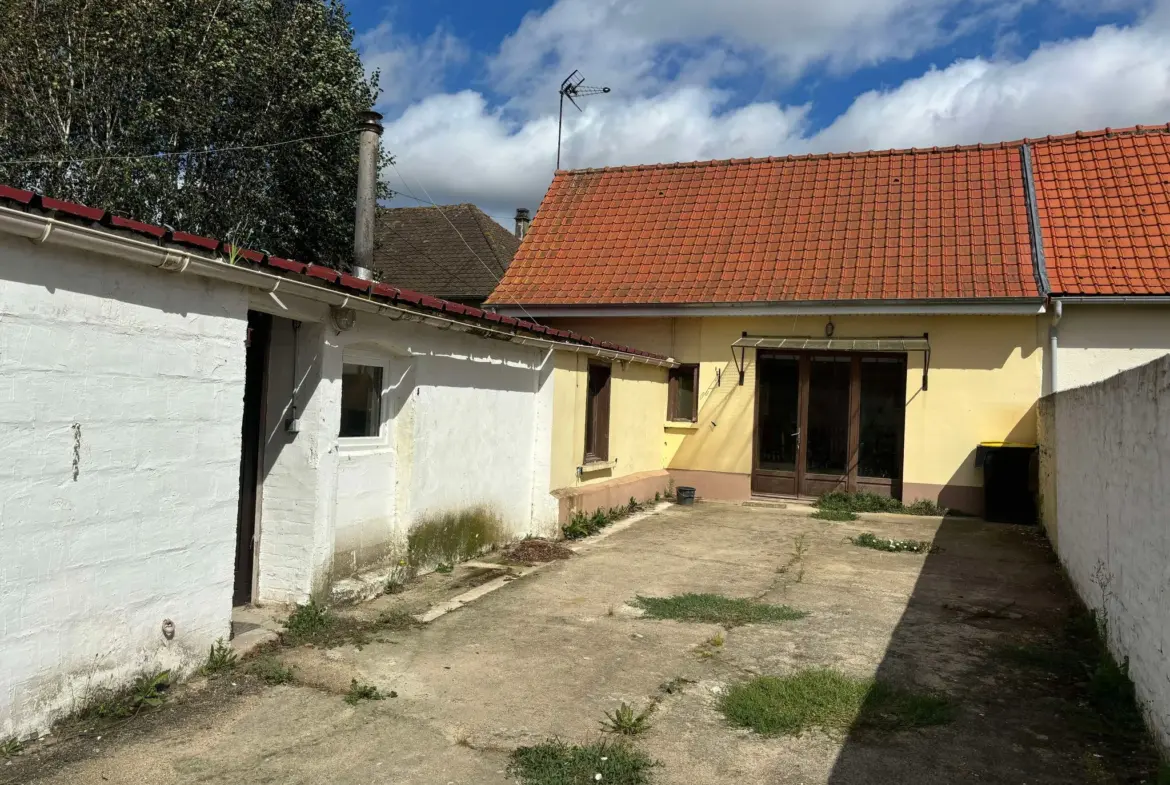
<point x="557" y="763"/>
<point x="362" y="692"/>
<point x="889" y="544"/>
<point x="149" y="691"/>
<point x="453" y="537"/>
<point x="826" y="699"/>
<point x="835" y="515"/>
<point x="873" y="502"/>
<point x="715" y="609"/>
<point x="270" y="670"/>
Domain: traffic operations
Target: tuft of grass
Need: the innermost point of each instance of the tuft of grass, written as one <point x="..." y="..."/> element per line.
<point x="871" y="540"/>
<point x="612" y="762"/>
<point x="445" y="569"/>
<point x="823" y="698"/>
<point x="626" y="722"/>
<point x="715" y="609"/>
<point x="716" y="640"/>
<point x="362" y="692"/>
<point x="453" y="537"/>
<point x="270" y="670"/>
<point x="148" y="691"/>
<point x="316" y="624"/>
<point x="10" y="748"/>
<point x="872" y="502"/>
<point x="221" y="658"/>
<point x="835" y="515"/>
<point x="397" y="621"/>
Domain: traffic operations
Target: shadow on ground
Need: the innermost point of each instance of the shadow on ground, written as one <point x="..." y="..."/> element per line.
<point x="993" y="624"/>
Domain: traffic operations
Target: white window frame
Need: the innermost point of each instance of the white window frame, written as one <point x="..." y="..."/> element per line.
<point x="352" y="444"/>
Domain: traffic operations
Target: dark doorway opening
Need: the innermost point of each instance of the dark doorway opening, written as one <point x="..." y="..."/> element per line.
<point x="829" y="421"/>
<point x="251" y="454"/>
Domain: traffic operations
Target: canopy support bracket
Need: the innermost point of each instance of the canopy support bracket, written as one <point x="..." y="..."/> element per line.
<point x="740" y="364"/>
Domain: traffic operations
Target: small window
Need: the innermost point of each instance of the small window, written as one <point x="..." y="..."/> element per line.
<point x="361" y="401"/>
<point x="683" y="403"/>
<point x="597" y="414"/>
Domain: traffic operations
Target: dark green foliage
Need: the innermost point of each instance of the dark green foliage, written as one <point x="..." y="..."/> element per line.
<point x="86" y="80"/>
<point x="453" y="537"/>
<point x="823" y="698"/>
<point x="557" y="763"/>
<point x="581" y="525"/>
<point x="10" y="748"/>
<point x="633" y="506"/>
<point x="715" y="609"/>
<point x="872" y="502"/>
<point x="872" y="541"/>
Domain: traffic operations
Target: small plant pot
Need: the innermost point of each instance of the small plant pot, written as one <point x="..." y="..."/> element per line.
<point x="684" y="494"/>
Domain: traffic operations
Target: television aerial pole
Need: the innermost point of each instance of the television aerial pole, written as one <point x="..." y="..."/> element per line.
<point x="573" y="88"/>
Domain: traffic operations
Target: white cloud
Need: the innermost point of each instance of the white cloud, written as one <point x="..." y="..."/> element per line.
<point x="410" y="69"/>
<point x="465" y="149"/>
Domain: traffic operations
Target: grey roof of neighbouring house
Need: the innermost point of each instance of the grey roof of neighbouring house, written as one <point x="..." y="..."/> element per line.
<point x="418" y="248"/>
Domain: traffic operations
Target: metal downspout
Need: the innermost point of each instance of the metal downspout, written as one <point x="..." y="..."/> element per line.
<point x="1039" y="266"/>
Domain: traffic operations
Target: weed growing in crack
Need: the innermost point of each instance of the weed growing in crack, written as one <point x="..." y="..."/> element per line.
<point x="674" y="686"/>
<point x="316" y="624"/>
<point x="397" y="621"/>
<point x="10" y="748"/>
<point x="609" y="761"/>
<point x="715" y="609"/>
<point x="221" y="658"/>
<point x="270" y="670"/>
<point x="148" y="691"/>
<point x="445" y="569"/>
<point x="362" y="692"/>
<point x="823" y="698"/>
<point x="583" y="525"/>
<point x="626" y="722"/>
<point x="871" y="540"/>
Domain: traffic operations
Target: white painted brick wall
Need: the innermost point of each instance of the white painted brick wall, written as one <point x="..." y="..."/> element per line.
<point x="1109" y="451"/>
<point x="150" y="366"/>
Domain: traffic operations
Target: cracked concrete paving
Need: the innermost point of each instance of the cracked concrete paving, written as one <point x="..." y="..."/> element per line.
<point x="550" y="652"/>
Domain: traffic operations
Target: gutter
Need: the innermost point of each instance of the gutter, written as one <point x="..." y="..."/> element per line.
<point x="1114" y="299"/>
<point x="1000" y="306"/>
<point x="43" y="230"/>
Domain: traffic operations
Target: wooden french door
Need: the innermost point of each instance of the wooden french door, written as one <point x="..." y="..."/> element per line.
<point x="828" y="421"/>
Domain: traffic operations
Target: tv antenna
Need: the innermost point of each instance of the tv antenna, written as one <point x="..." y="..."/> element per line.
<point x="573" y="88"/>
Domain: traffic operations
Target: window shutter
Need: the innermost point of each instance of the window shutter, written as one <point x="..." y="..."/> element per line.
<point x="602" y="418"/>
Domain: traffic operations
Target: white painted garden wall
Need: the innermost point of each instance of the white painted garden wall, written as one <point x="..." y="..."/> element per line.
<point x="120" y="404"/>
<point x="1098" y="341"/>
<point x="1105" y="480"/>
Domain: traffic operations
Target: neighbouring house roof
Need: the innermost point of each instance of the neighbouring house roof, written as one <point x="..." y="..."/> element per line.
<point x="307" y="273"/>
<point x="948" y="224"/>
<point x="454" y="251"/>
<point x="1104" y="204"/>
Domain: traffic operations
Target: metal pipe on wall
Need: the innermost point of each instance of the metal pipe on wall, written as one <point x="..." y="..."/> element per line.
<point x="366" y="204"/>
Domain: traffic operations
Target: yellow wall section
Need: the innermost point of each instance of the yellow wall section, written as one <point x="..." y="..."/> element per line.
<point x="637" y="407"/>
<point x="985" y="378"/>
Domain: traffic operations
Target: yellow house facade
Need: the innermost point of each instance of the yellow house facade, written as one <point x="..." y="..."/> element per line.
<point x="981" y="384"/>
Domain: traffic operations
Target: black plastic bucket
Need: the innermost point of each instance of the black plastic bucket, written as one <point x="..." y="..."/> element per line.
<point x="684" y="494"/>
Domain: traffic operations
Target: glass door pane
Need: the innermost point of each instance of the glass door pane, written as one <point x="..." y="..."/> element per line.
<point x="883" y="417"/>
<point x="828" y="414"/>
<point x="779" y="418"/>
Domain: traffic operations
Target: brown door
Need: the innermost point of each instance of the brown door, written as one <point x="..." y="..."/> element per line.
<point x="778" y="431"/>
<point x="252" y="432"/>
<point x="829" y="421"/>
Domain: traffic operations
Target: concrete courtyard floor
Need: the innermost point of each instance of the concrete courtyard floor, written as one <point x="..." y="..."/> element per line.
<point x="550" y="652"/>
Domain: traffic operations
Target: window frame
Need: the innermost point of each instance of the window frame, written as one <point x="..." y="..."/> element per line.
<point x="597" y="407"/>
<point x="672" y="412"/>
<point x="365" y="443"/>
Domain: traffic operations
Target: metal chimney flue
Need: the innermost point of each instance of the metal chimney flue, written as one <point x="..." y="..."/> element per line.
<point x="369" y="140"/>
<point x="522" y="221"/>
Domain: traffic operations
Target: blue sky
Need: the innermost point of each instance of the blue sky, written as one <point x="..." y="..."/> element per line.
<point x="470" y="87"/>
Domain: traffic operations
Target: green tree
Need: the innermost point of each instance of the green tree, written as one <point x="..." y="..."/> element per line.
<point x="95" y="79"/>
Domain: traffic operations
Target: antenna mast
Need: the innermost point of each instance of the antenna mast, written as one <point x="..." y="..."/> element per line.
<point x="573" y="88"/>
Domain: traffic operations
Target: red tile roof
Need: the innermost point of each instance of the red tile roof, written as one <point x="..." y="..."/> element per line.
<point x="1104" y="205"/>
<point x="894" y="225"/>
<point x="314" y="274"/>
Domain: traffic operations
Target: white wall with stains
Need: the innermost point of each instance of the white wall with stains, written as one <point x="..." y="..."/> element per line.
<point x="120" y="404"/>
<point x="1098" y="341"/>
<point x="1105" y="485"/>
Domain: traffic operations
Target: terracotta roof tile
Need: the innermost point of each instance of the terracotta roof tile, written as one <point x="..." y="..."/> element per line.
<point x="899" y="225"/>
<point x="322" y="275"/>
<point x="1104" y="205"/>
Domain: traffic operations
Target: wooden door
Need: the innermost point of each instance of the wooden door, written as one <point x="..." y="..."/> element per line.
<point x="778" y="444"/>
<point x="251" y="455"/>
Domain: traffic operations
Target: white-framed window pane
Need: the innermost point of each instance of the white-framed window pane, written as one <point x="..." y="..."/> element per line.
<point x="361" y="400"/>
